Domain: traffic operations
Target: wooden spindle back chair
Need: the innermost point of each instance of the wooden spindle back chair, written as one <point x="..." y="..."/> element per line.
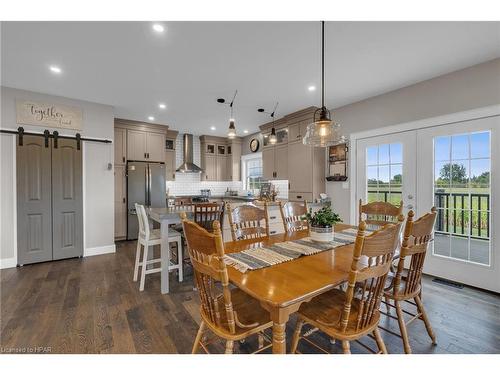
<point x="406" y="285"/>
<point x="229" y="313"/>
<point x="378" y="214"/>
<point x="354" y="313"/>
<point x="206" y="213"/>
<point x="248" y="222"/>
<point x="292" y="214"/>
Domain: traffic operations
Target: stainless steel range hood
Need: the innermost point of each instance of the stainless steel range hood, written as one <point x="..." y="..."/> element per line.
<point x="188" y="166"/>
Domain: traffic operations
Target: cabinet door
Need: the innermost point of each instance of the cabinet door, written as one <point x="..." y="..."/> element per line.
<point x="281" y="162"/>
<point x="210" y="168"/>
<point x="136" y="145"/>
<point x="229" y="167"/>
<point x="170" y="165"/>
<point x="300" y="166"/>
<point x="120" y="143"/>
<point x="294" y="132"/>
<point x="120" y="202"/>
<point x="268" y="163"/>
<point x="155" y="146"/>
<point x="221" y="168"/>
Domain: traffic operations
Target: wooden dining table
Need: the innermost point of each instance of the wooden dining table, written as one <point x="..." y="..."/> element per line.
<point x="282" y="288"/>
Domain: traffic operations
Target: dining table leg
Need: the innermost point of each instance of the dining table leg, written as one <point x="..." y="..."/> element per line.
<point x="279" y="318"/>
<point x="165" y="257"/>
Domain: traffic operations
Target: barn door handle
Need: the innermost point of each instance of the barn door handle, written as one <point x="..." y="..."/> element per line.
<point x="55" y="134"/>
<point x="46" y="135"/>
<point x="78" y="141"/>
<point x="20" y="131"/>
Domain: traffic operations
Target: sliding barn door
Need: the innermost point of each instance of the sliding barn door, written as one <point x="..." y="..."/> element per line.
<point x="34" y="210"/>
<point x="67" y="217"/>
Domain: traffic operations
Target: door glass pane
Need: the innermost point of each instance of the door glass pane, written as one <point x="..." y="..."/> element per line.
<point x="384" y="172"/>
<point x="462" y="196"/>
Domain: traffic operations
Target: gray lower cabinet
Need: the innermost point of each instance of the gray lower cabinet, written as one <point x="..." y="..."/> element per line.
<point x="49" y="200"/>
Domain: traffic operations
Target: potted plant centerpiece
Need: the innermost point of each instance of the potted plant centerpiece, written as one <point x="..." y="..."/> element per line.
<point x="321" y="224"/>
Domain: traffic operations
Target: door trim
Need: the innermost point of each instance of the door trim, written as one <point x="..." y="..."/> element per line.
<point x="473" y="114"/>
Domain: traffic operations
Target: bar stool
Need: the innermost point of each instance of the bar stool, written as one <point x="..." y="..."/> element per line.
<point x="150" y="237"/>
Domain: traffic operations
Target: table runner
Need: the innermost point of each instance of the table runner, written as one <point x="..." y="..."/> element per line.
<point x="266" y="256"/>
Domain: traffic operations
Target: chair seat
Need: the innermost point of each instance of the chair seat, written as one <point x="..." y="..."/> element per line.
<point x="248" y="311"/>
<point x="327" y="308"/>
<point x="155" y="234"/>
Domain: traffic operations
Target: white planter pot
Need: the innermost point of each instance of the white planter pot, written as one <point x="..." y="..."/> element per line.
<point x="320" y="234"/>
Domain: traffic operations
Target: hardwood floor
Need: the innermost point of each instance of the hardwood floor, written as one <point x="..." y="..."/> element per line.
<point x="91" y="305"/>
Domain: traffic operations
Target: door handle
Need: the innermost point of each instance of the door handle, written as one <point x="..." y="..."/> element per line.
<point x="145" y="157"/>
<point x="123" y="159"/>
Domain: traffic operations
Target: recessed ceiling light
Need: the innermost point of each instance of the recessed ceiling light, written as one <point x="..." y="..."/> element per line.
<point x="212" y="128"/>
<point x="158" y="28"/>
<point x="55" y="69"/>
<point x="151" y="118"/>
<point x="312" y="88"/>
<point x="162" y="106"/>
<point x="245" y="131"/>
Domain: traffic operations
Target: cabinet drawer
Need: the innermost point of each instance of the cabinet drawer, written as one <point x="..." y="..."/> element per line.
<point x="300" y="196"/>
<point x="274" y="215"/>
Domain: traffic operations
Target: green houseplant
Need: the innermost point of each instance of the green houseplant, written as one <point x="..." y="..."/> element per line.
<point x="321" y="224"/>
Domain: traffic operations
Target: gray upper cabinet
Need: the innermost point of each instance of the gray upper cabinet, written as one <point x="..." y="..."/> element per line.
<point x="275" y="162"/>
<point x="120" y="145"/>
<point x="220" y="158"/>
<point x="209" y="166"/>
<point x="145" y="146"/>
<point x="155" y="146"/>
<point x="170" y="165"/>
<point x="300" y="159"/>
<point x="136" y="145"/>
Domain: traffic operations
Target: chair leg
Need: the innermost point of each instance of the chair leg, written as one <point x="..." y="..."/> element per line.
<point x="229" y="347"/>
<point x="402" y="328"/>
<point x="144" y="266"/>
<point x="387" y="301"/>
<point x="380" y="342"/>
<point x="296" y="335"/>
<point x="179" y="259"/>
<point x="197" y="340"/>
<point x="261" y="340"/>
<point x="427" y="323"/>
<point x="346" y="347"/>
<point x="137" y="260"/>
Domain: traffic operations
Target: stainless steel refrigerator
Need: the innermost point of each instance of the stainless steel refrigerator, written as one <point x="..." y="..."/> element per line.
<point x="146" y="186"/>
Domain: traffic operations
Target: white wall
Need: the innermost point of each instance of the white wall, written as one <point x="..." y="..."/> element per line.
<point x="98" y="122"/>
<point x="474" y="87"/>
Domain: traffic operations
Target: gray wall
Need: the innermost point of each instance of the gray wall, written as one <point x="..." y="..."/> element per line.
<point x="470" y="88"/>
<point x="98" y="122"/>
<point x="245" y="145"/>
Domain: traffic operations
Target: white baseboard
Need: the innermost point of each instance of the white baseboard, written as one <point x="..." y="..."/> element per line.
<point x="99" y="250"/>
<point x="8" y="263"/>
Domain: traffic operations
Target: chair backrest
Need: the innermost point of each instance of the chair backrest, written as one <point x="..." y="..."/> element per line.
<point x="206" y="251"/>
<point x="292" y="213"/>
<point x="417" y="236"/>
<point x="371" y="262"/>
<point x="206" y="213"/>
<point x="142" y="218"/>
<point x="248" y="222"/>
<point x="378" y="214"/>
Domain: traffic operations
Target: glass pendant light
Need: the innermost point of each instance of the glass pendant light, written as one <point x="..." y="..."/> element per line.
<point x="272" y="138"/>
<point x="231" y="133"/>
<point x="322" y="131"/>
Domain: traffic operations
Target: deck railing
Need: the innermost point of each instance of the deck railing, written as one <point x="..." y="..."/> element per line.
<point x="461" y="214"/>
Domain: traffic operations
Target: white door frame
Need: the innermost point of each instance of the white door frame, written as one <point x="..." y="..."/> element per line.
<point x="476" y="114"/>
<point x="473" y="114"/>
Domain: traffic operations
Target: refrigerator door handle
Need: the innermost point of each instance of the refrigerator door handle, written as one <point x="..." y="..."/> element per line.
<point x="146" y="186"/>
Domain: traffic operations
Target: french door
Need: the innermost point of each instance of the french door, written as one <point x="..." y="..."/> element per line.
<point x="454" y="168"/>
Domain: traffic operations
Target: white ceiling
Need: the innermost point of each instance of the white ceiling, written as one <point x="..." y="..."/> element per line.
<point x="129" y="66"/>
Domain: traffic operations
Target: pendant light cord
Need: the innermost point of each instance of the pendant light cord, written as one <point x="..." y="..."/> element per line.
<point x="323" y="64"/>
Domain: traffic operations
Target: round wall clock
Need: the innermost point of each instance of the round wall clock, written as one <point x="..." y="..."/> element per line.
<point x="254" y="145"/>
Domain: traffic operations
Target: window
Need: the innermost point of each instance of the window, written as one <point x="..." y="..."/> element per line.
<point x="462" y="167"/>
<point x="252" y="172"/>
<point x="384" y="173"/>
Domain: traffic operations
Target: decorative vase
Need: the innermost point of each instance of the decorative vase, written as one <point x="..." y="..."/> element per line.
<point x="321" y="234"/>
